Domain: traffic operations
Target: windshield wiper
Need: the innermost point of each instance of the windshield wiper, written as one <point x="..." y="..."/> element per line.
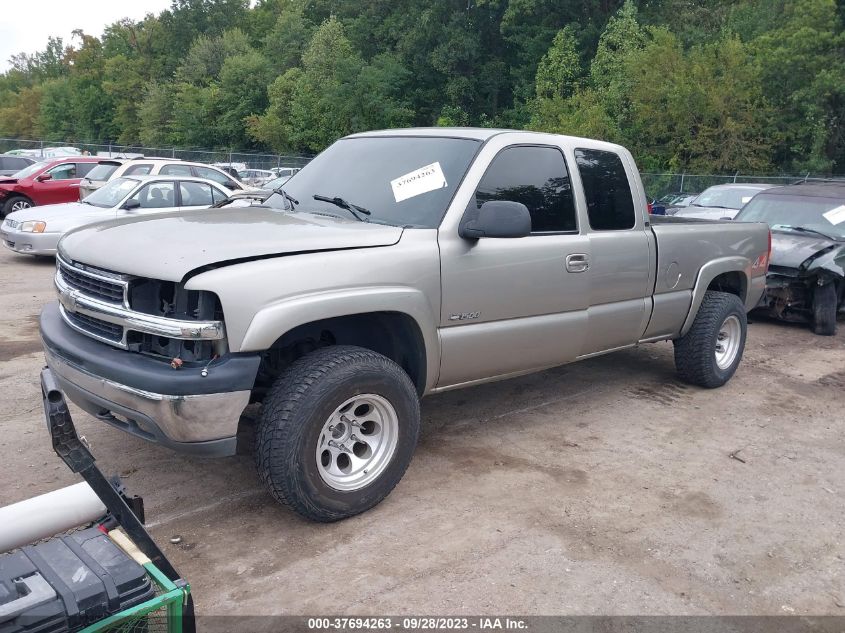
<point x="343" y="204"/>
<point x="281" y="191"/>
<point x="804" y="229"/>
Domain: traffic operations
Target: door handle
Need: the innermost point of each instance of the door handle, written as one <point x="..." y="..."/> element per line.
<point x="577" y="262"/>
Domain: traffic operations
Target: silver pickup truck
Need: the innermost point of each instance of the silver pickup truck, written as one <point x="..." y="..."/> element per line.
<point x="397" y="264"/>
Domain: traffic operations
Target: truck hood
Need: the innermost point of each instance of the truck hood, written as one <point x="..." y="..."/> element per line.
<point x="171" y="245"/>
<point x="790" y="250"/>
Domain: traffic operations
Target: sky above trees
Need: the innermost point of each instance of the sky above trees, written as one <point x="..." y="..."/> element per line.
<point x="715" y="85"/>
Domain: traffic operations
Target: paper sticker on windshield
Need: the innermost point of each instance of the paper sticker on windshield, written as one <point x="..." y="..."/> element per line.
<point x="835" y="216"/>
<point x="746" y="199"/>
<point x="417" y="182"/>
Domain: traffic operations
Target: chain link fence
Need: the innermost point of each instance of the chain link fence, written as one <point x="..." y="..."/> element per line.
<point x="251" y="160"/>
<point x="658" y="185"/>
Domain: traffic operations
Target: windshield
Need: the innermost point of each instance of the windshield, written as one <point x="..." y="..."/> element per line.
<point x="103" y="171"/>
<point x="826" y="215"/>
<point x="402" y="180"/>
<point x="110" y="194"/>
<point x="728" y="198"/>
<point x="28" y="171"/>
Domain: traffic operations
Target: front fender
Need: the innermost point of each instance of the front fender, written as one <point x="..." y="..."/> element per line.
<point x="278" y="318"/>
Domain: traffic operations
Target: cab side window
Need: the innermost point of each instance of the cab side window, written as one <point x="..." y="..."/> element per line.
<point x="216" y="176"/>
<point x="65" y="171"/>
<point x="196" y="194"/>
<point x="175" y="170"/>
<point x="538" y="178"/>
<point x="156" y="195"/>
<point x="610" y="206"/>
<point x="218" y="195"/>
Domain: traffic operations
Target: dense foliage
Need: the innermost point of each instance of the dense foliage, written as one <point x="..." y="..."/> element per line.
<point x="716" y="85"/>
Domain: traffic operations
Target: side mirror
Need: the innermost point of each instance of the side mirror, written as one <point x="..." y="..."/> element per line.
<point x="131" y="204"/>
<point x="44" y="177"/>
<point x="495" y="218"/>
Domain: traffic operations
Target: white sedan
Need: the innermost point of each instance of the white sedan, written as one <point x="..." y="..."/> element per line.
<point x="37" y="230"/>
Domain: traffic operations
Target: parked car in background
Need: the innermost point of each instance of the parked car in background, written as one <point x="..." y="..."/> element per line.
<point x="175" y="167"/>
<point x="231" y="168"/>
<point x="256" y="177"/>
<point x="98" y="176"/>
<point x="271" y="185"/>
<point x="285" y="171"/>
<point x="721" y="202"/>
<point x="806" y="279"/>
<point x="255" y="198"/>
<point x="48" y="182"/>
<point x="679" y="201"/>
<point x="36" y="231"/>
<point x="10" y="165"/>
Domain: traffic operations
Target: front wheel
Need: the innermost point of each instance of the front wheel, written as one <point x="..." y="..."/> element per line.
<point x="337" y="432"/>
<point x="710" y="352"/>
<point x="16" y="203"/>
<point x="824" y="310"/>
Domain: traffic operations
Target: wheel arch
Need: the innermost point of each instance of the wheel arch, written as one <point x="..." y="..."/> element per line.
<point x="16" y="194"/>
<point x="729" y="274"/>
<point x="396" y="322"/>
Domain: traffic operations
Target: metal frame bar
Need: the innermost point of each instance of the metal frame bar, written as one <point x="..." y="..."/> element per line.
<point x="74" y="452"/>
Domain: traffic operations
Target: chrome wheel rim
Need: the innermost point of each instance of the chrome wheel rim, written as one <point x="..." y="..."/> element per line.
<point x="20" y="205"/>
<point x="727" y="342"/>
<point x="357" y="442"/>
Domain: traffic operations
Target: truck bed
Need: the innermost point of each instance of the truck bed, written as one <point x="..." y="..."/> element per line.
<point x="684" y="247"/>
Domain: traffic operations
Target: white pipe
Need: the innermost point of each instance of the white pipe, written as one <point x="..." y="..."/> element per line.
<point x="48" y="514"/>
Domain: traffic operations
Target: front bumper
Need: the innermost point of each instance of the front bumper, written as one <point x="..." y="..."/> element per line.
<point x="180" y="409"/>
<point x="30" y="243"/>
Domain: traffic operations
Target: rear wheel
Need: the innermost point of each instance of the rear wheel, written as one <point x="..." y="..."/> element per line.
<point x="16" y="203"/>
<point x="710" y="352"/>
<point x="337" y="432"/>
<point x="824" y="309"/>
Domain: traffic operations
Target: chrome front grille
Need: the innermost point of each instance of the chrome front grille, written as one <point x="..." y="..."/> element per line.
<point x="101" y="285"/>
<point x="96" y="303"/>
<point x="102" y="329"/>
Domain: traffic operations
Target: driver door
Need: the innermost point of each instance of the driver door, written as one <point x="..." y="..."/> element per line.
<point x="512" y="305"/>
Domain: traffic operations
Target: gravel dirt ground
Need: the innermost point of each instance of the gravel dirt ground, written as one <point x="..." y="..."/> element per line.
<point x="604" y="487"/>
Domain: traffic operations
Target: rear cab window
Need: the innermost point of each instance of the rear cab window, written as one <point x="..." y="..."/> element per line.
<point x="536" y="176"/>
<point x="610" y="204"/>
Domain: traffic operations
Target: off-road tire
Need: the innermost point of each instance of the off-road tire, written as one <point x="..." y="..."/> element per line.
<point x="695" y="357"/>
<point x="7" y="206"/>
<point x="824" y="309"/>
<point x="301" y="400"/>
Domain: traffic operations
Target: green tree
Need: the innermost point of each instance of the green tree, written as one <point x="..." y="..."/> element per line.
<point x="702" y="109"/>
<point x="803" y="72"/>
<point x="243" y="93"/>
<point x="560" y="67"/>
<point x="155" y="115"/>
